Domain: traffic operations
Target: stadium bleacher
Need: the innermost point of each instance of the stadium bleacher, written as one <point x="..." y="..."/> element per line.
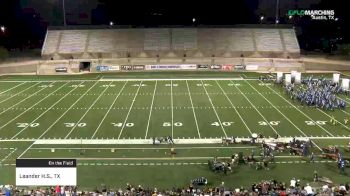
<point x="101" y="41"/>
<point x="268" y="40"/>
<point x="290" y="40"/>
<point x="149" y="42"/>
<point x="73" y="41"/>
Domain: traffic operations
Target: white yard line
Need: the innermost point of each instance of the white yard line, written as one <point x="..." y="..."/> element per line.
<point x="217" y="116"/>
<point x="245" y="124"/>
<point x="345" y="112"/>
<point x="19" y="93"/>
<point x="346" y="127"/>
<point x="109" y="109"/>
<point x="129" y="79"/>
<point x="14" y="150"/>
<point x="256" y="109"/>
<point x="152" y="148"/>
<point x="277" y="110"/>
<point x="193" y="111"/>
<point x="12" y="88"/>
<point x="127" y="115"/>
<point x="343" y="99"/>
<point x="39" y="101"/>
<point x="300" y="111"/>
<point x="172" y="109"/>
<point x="48" y="109"/>
<point x="150" y="111"/>
<point x="59" y="118"/>
<point x="174" y="79"/>
<point x="87" y="111"/>
<point x="112" y="141"/>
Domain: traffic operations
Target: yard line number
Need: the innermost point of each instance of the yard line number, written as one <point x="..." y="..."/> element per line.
<point x="234" y="84"/>
<point x="129" y="124"/>
<point x="205" y="84"/>
<point x="46" y="86"/>
<point x="265" y="123"/>
<point x="23" y="125"/>
<point x="176" y="124"/>
<point x="77" y="85"/>
<point x="170" y="85"/>
<point x="108" y="85"/>
<point x="226" y="124"/>
<point x="317" y="122"/>
<point x="75" y="124"/>
<point x="265" y="84"/>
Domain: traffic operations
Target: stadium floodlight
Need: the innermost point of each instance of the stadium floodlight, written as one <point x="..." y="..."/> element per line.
<point x="3" y="29"/>
<point x="111" y="23"/>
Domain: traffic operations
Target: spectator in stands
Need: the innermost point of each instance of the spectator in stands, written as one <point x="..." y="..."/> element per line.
<point x="309" y="190"/>
<point x="293" y="183"/>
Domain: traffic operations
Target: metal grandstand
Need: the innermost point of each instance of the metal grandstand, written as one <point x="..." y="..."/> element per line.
<point x="170" y="42"/>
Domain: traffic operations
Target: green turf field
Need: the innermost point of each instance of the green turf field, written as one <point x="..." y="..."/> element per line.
<point x="37" y="112"/>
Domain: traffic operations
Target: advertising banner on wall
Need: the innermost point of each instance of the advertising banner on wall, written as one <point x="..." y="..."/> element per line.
<point x="202" y="66"/>
<point x="126" y="67"/>
<point x="138" y="67"/>
<point x="171" y="67"/>
<point x="215" y="67"/>
<point x="226" y="67"/>
<point x="102" y="68"/>
<point x="61" y="69"/>
<point x="251" y="67"/>
<point x="114" y="68"/>
<point x="239" y="67"/>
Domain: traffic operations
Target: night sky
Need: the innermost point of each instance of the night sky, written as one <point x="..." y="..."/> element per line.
<point x="26" y="21"/>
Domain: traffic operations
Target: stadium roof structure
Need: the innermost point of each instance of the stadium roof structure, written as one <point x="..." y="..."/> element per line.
<point x="170" y="42"/>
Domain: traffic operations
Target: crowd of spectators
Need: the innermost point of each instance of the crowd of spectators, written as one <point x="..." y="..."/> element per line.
<point x="271" y="188"/>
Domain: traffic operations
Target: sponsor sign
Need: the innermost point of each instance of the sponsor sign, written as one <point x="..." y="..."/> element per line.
<point x="46" y="172"/>
<point x="215" y="67"/>
<point x="251" y="67"/>
<point x="171" y="67"/>
<point x="226" y="67"/>
<point x="202" y="66"/>
<point x="61" y="69"/>
<point x="239" y="67"/>
<point x="138" y="67"/>
<point x="114" y="68"/>
<point x="126" y="67"/>
<point x="102" y="68"/>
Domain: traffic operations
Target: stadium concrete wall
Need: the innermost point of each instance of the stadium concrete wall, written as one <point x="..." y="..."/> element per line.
<point x="22" y="67"/>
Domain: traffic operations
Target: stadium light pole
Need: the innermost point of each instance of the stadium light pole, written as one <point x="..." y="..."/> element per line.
<point x="64" y="13"/>
<point x="277" y="7"/>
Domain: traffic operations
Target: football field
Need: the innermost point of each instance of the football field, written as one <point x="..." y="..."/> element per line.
<point x="109" y="122"/>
